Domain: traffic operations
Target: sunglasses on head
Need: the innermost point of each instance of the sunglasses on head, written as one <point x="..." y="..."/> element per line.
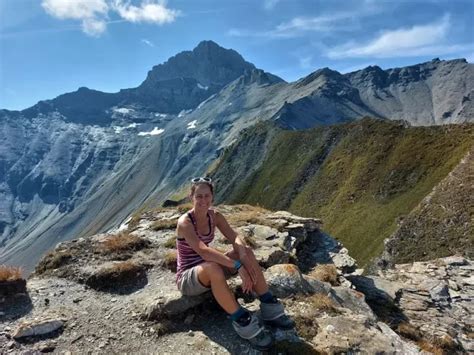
<point x="201" y="179"/>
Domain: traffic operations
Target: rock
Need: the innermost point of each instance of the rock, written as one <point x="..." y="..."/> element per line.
<point x="285" y="280"/>
<point x="173" y="304"/>
<point x="353" y="300"/>
<point x="38" y="328"/>
<point x="351" y="334"/>
<point x="343" y="262"/>
<point x="454" y="260"/>
<point x="401" y="346"/>
<point x="318" y="286"/>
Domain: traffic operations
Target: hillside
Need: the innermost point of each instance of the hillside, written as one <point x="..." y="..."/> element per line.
<point x="360" y="178"/>
<point x="116" y="293"/>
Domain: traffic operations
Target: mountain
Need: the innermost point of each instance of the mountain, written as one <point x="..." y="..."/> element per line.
<point x="360" y="178"/>
<point x="436" y="92"/>
<point x="83" y="162"/>
<point x="181" y="83"/>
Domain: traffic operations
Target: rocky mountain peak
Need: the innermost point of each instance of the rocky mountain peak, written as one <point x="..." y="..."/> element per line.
<point x="208" y="63"/>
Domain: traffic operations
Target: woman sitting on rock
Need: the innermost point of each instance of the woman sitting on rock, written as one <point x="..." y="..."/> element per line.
<point x="202" y="268"/>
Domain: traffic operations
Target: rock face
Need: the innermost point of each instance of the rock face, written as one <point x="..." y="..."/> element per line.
<point x="132" y="315"/>
<point x="433" y="296"/>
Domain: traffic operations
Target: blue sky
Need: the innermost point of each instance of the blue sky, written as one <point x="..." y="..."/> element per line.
<point x="49" y="47"/>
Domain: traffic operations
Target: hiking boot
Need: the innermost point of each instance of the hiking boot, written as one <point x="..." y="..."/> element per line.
<point x="273" y="314"/>
<point x="256" y="334"/>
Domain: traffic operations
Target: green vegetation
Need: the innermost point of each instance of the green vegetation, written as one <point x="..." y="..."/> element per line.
<point x="360" y="178"/>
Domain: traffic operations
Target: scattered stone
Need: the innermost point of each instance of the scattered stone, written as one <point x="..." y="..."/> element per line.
<point x="35" y="328"/>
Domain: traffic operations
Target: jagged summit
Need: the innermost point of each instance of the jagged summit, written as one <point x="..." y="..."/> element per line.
<point x="208" y="63"/>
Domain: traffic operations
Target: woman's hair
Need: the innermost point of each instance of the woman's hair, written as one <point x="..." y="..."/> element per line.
<point x="194" y="185"/>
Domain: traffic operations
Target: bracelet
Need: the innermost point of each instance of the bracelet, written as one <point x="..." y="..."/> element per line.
<point x="237" y="264"/>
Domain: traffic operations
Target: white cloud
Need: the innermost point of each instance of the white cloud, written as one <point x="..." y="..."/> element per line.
<point x="75" y="9"/>
<point x="148" y="42"/>
<point x="302" y="25"/>
<point x="404" y="42"/>
<point x="94" y="14"/>
<point x="305" y="62"/>
<point x="148" y="11"/>
<point x="93" y="27"/>
<point x="270" y="4"/>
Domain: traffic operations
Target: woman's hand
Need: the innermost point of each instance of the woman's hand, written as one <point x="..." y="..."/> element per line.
<point x="251" y="268"/>
<point x="247" y="283"/>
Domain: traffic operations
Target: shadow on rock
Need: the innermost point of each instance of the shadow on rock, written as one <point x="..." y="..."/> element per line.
<point x="382" y="303"/>
<point x="119" y="278"/>
<point x="15" y="301"/>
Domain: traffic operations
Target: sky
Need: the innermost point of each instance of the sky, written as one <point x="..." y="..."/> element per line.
<point x="50" y="47"/>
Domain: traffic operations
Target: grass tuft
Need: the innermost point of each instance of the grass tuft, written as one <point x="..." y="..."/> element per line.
<point x="164" y="224"/>
<point x="10" y="273"/>
<point x="326" y="273"/>
<point x="123" y="241"/>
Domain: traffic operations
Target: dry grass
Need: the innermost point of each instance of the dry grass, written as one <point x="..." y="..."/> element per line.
<point x="306" y="327"/>
<point x="185" y="207"/>
<point x="322" y="302"/>
<point x="170" y="242"/>
<point x="170" y="260"/>
<point x="10" y="273"/>
<point x="164" y="224"/>
<point x="326" y="273"/>
<point x="429" y="347"/>
<point x="243" y="215"/>
<point x="122" y="242"/>
<point x="53" y="260"/>
<point x="409" y="331"/>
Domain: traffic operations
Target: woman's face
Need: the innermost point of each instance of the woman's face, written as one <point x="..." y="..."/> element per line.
<point x="202" y="198"/>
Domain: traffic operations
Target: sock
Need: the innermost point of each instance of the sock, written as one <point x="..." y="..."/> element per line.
<point x="267" y="297"/>
<point x="241" y="316"/>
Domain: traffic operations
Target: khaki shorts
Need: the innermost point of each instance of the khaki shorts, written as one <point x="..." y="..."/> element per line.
<point x="189" y="284"/>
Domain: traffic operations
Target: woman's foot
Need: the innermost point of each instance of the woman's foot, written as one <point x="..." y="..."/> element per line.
<point x="251" y="330"/>
<point x="273" y="314"/>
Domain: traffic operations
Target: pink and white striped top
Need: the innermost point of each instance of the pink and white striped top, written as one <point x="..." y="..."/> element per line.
<point x="187" y="257"/>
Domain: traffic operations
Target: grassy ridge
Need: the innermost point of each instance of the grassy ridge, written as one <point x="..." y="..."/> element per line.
<point x="358" y="177"/>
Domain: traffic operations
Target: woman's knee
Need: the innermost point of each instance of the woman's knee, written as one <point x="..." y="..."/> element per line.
<point x="213" y="271"/>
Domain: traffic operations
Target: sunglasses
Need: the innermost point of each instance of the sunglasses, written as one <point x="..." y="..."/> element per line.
<point x="201" y="179"/>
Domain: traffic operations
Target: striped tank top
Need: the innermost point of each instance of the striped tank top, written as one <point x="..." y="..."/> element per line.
<point x="187" y="257"/>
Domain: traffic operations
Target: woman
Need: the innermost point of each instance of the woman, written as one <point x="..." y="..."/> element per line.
<point x="202" y="268"/>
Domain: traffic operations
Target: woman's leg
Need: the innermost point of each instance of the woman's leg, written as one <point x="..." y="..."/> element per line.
<point x="211" y="274"/>
<point x="261" y="286"/>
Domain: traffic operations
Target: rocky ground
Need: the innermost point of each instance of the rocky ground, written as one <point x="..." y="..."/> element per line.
<point x="115" y="293"/>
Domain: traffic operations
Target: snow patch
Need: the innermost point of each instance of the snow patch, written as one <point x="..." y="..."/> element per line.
<point x="123" y="110"/>
<point x="202" y="87"/>
<point x="156" y="131"/>
<point x="184" y="113"/>
<point x="192" y="124"/>
<point x="119" y="129"/>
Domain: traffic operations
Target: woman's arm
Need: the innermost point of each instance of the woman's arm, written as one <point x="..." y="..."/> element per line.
<point x="185" y="229"/>
<point x="237" y="243"/>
